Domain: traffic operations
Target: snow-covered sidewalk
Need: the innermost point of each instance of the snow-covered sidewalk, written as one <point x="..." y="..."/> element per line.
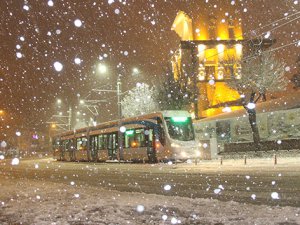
<point x="32" y="202"/>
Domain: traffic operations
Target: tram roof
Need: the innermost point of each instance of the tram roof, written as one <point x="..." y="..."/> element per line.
<point x="112" y="123"/>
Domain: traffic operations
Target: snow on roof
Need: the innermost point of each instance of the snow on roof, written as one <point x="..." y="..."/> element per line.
<point x="288" y="101"/>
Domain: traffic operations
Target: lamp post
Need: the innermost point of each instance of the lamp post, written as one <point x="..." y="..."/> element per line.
<point x="103" y="69"/>
<point x="120" y="134"/>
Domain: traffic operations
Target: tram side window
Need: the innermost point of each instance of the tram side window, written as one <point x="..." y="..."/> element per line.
<point x="81" y="143"/>
<point x="111" y="141"/>
<point x="135" y="138"/>
<point x="94" y="142"/>
<point x="65" y="145"/>
<point x="102" y="141"/>
<point x="148" y="138"/>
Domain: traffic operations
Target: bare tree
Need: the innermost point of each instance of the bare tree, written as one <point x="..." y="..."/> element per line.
<point x="296" y="77"/>
<point x="260" y="75"/>
<point x="139" y="101"/>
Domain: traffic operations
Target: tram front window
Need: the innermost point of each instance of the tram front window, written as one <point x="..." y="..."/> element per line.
<point x="180" y="128"/>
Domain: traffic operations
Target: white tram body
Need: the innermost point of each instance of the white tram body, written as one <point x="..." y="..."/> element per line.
<point x="160" y="136"/>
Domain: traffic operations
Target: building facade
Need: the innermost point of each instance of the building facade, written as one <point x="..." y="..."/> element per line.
<point x="210" y="53"/>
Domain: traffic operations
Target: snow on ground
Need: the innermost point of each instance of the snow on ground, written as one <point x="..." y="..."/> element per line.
<point x="32" y="202"/>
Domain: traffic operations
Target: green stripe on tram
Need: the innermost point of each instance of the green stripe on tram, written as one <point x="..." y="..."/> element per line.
<point x="179" y="119"/>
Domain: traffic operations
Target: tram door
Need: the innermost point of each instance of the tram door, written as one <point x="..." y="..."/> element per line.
<point x="94" y="148"/>
<point x="149" y="136"/>
<point x="112" y="146"/>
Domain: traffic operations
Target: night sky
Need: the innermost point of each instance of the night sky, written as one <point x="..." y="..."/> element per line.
<point x="34" y="34"/>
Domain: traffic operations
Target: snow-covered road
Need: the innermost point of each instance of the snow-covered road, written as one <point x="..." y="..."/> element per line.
<point x="32" y="202"/>
<point x="41" y="191"/>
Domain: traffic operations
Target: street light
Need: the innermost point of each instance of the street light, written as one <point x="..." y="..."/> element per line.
<point x="103" y="69"/>
<point x="135" y="71"/>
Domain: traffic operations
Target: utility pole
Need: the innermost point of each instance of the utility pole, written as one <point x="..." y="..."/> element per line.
<point x="70" y="118"/>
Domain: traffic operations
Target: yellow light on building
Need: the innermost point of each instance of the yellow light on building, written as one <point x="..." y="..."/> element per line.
<point x="220" y="75"/>
<point x="220" y="49"/>
<point x="238" y="50"/>
<point x="201" y="52"/>
<point x="238" y="72"/>
<point x="201" y="75"/>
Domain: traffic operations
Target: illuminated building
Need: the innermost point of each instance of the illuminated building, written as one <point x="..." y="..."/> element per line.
<point x="210" y="53"/>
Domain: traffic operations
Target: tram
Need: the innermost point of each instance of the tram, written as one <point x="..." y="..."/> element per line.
<point x="160" y="136"/>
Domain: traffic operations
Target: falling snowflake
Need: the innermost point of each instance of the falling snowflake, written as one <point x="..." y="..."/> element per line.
<point x="19" y="55"/>
<point x="3" y="144"/>
<point x="217" y="191"/>
<point x="267" y="35"/>
<point x="58" y="66"/>
<point x="167" y="187"/>
<point x="174" y="220"/>
<point x="77" y="61"/>
<point x="26" y="7"/>
<point x="78" y="23"/>
<point x="15" y="161"/>
<point x="122" y="129"/>
<point x="50" y="3"/>
<point x="140" y="208"/>
<point x="275" y="195"/>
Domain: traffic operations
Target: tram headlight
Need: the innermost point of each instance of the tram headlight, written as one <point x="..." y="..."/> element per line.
<point x="198" y="153"/>
<point x="175" y="145"/>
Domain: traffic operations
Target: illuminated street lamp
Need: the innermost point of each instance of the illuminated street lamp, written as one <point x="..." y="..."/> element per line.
<point x="103" y="69"/>
<point x="135" y="71"/>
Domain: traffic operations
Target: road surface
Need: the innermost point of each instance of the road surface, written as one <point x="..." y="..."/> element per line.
<point x="258" y="182"/>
